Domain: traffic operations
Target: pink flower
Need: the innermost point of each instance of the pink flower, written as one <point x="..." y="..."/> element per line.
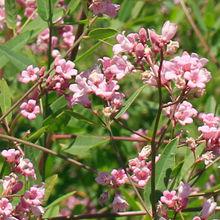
<point x="31" y="201"/>
<point x="119" y="204"/>
<point x="29" y="109"/>
<point x="11" y="155"/>
<point x="184" y="190"/>
<point x="207" y="157"/>
<point x="141" y="176"/>
<point x="116" y="67"/>
<point x="68" y="39"/>
<point x="169" y="198"/>
<point x="197" y="78"/>
<point x="208" y="208"/>
<point x="119" y="177"/>
<point x="125" y="44"/>
<point x="100" y="7"/>
<point x="29" y="75"/>
<point x="209" y="119"/>
<point x="65" y="68"/>
<point x="2" y="18"/>
<point x="26" y="168"/>
<point x="11" y="185"/>
<point x="209" y="132"/>
<point x="103" y="198"/>
<point x="5" y="208"/>
<point x="184" y="112"/>
<point x="168" y="31"/>
<point x="104" y="178"/>
<point x="197" y="218"/>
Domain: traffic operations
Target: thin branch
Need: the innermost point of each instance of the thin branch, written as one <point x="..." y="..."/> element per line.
<point x="48" y="151"/>
<point x="102" y="215"/>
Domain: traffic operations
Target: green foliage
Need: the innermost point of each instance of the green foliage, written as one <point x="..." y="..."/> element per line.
<point x="11" y="13"/>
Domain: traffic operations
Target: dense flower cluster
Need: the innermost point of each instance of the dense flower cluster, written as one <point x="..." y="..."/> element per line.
<point x="139" y="170"/>
<point x="100" y="7"/>
<point x="30" y="203"/>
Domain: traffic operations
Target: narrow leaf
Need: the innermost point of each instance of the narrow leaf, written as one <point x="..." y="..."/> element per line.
<point x="102" y="33"/>
<point x="43" y="9"/>
<point x="129" y="102"/>
<point x="49" y="186"/>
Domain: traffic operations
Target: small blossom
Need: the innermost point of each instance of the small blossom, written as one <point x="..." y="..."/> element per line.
<point x="119" y="177"/>
<point x="103" y="198"/>
<point x="11" y="155"/>
<point x="29" y="75"/>
<point x="29" y="109"/>
<point x="169" y="198"/>
<point x="26" y="168"/>
<point x="5" y="208"/>
<point x="100" y="7"/>
<point x="103" y="178"/>
<point x="207" y="157"/>
<point x="65" y="68"/>
<point x="119" y="204"/>
<point x="208" y="208"/>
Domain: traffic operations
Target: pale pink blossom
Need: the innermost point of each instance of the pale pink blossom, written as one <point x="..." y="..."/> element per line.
<point x="168" y="31"/>
<point x="169" y="198"/>
<point x="209" y="132"/>
<point x="119" y="177"/>
<point x="208" y="208"/>
<point x="197" y="78"/>
<point x="100" y="7"/>
<point x="207" y="157"/>
<point x="11" y="185"/>
<point x="116" y="67"/>
<point x="184" y="190"/>
<point x="68" y="39"/>
<point x="11" y="155"/>
<point x="141" y="176"/>
<point x="30" y="109"/>
<point x="183" y="114"/>
<point x="26" y="168"/>
<point x="209" y="119"/>
<point x="2" y="18"/>
<point x="119" y="204"/>
<point x="65" y="68"/>
<point x="125" y="44"/>
<point x="104" y="178"/>
<point x="5" y="208"/>
<point x="31" y="74"/>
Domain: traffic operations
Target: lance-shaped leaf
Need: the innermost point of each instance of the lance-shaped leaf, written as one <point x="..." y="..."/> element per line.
<point x="43" y="9"/>
<point x="11" y="13"/>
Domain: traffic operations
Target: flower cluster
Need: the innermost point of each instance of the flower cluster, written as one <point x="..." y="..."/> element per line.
<point x="139" y="170"/>
<point x="210" y="131"/>
<point x="104" y="85"/>
<point x="100" y="7"/>
<point x="176" y="201"/>
<point x="30" y="203"/>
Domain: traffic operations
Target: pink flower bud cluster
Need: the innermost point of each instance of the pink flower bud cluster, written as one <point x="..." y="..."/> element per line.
<point x="139" y="170"/>
<point x="207" y="210"/>
<point x="100" y="7"/>
<point x="19" y="164"/>
<point x="30" y="203"/>
<point x="103" y="84"/>
<point x="182" y="113"/>
<point x="210" y="131"/>
<point x="30" y="8"/>
<point x="64" y="40"/>
<point x="175" y="200"/>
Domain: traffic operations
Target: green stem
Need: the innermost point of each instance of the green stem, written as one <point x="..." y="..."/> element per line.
<point x="153" y="142"/>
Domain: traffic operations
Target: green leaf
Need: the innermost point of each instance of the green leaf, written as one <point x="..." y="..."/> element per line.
<point x="210" y="105"/>
<point x="72" y="6"/>
<point x="17" y="59"/>
<point x="49" y="186"/>
<point x="11" y="13"/>
<point x="43" y="9"/>
<point x="5" y="98"/>
<point x="129" y="102"/>
<point x="83" y="144"/>
<point x="165" y="164"/>
<point x="82" y="118"/>
<point x="87" y="53"/>
<point x="37" y="134"/>
<point x="102" y="33"/>
<point x="58" y="104"/>
<point x="52" y="210"/>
